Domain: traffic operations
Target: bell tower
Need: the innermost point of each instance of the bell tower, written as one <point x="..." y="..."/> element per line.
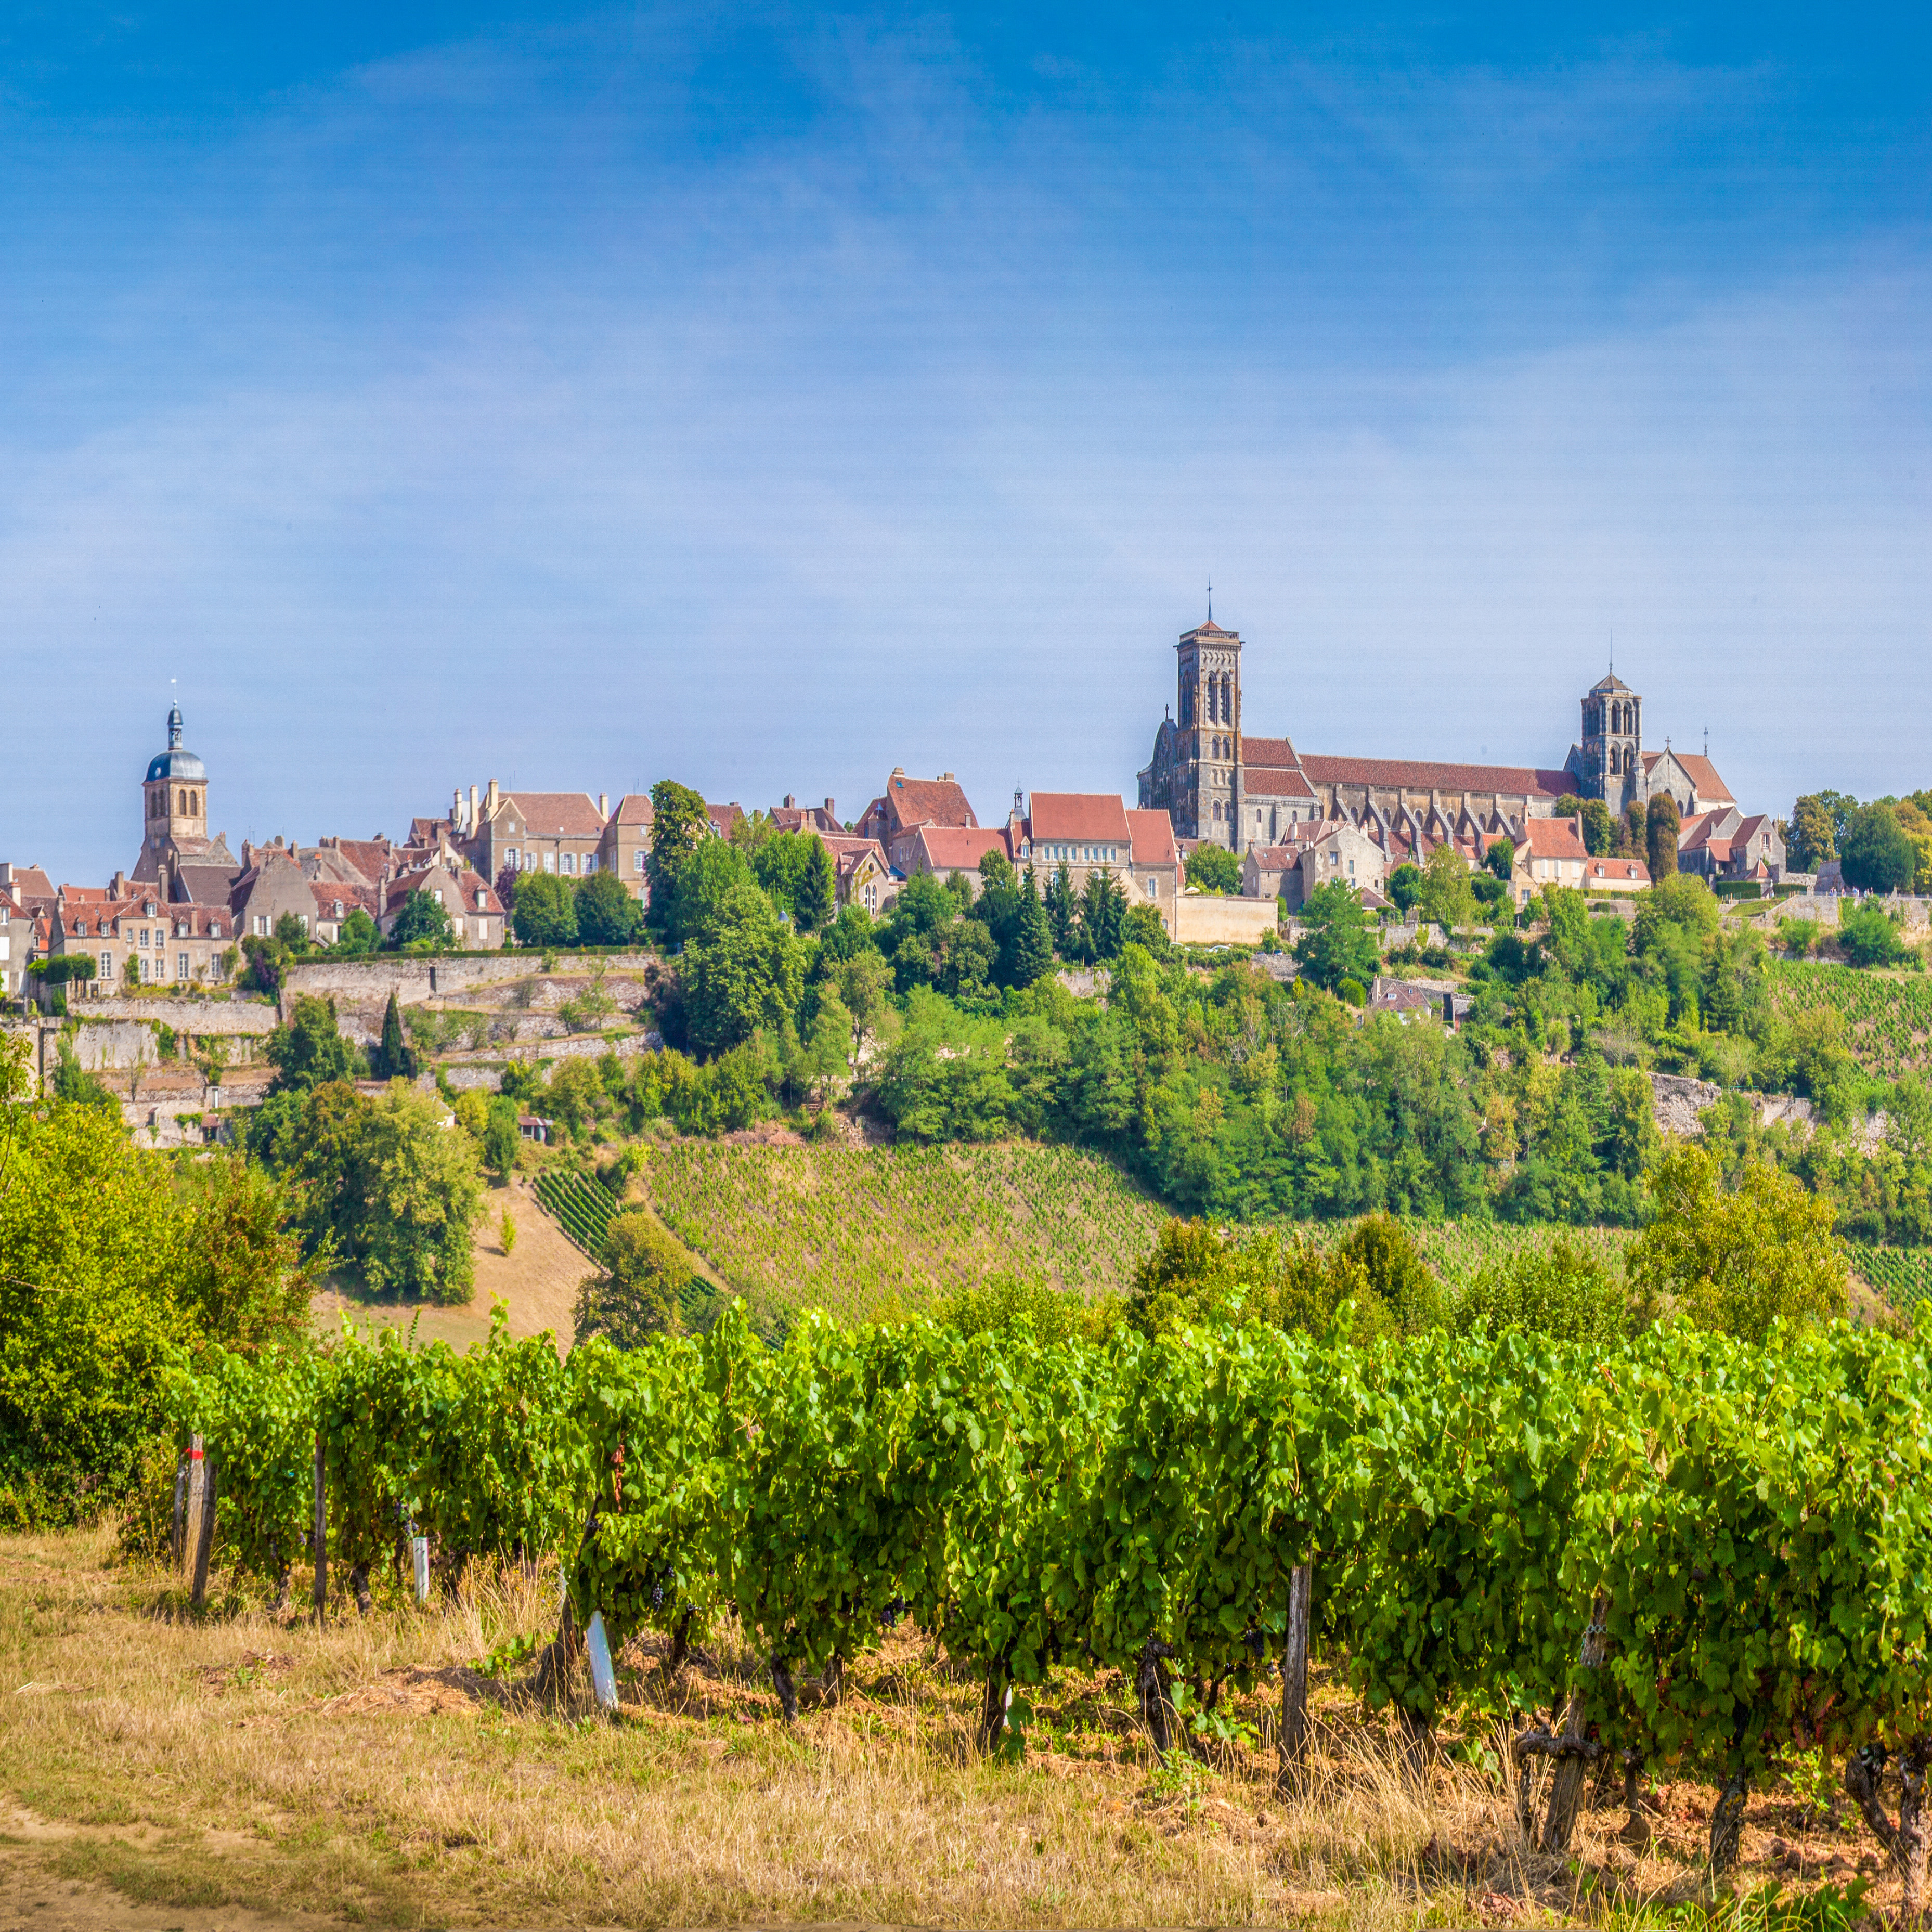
<point x="174" y="803"/>
<point x="1612" y="743"/>
<point x="1208" y="713"/>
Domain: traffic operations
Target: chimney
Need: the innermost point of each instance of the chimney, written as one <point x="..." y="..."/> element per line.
<point x="898" y="771"/>
<point x="603" y="804"/>
<point x="830" y="812"/>
<point x="946" y="778"/>
<point x="493" y="798"/>
<point x="472" y="826"/>
<point x="790" y="801"/>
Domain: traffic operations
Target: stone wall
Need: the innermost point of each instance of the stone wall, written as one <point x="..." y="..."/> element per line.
<point x="414" y="978"/>
<point x="1201" y="919"/>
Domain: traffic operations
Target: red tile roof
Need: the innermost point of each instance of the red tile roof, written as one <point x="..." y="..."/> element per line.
<point x="329" y="893"/>
<point x="1152" y="835"/>
<point x="958" y="848"/>
<point x="1078" y="815"/>
<point x="1552" y="838"/>
<point x="1702" y="773"/>
<point x="848" y="853"/>
<point x="1617" y="869"/>
<point x="555" y="814"/>
<point x="1274" y="781"/>
<point x="927" y="801"/>
<point x="1276" y="752"/>
<point x="723" y="817"/>
<point x="83" y="894"/>
<point x="1419" y="775"/>
<point x="634" y="807"/>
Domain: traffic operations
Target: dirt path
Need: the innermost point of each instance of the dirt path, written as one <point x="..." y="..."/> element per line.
<point x="538" y="1282"/>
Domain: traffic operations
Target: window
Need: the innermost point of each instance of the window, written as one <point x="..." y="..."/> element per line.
<point x="215" y="931"/>
<point x="261" y="925"/>
<point x="550" y="862"/>
<point x="479" y="899"/>
<point x="437" y="895"/>
<point x="338" y="908"/>
<point x="637" y="858"/>
<point x="107" y="965"/>
<point x="144" y="936"/>
<point x="181" y="967"/>
<point x="590" y="862"/>
<point x="569" y="862"/>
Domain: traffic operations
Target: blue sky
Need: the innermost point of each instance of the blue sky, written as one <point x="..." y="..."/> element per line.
<point x="768" y="397"/>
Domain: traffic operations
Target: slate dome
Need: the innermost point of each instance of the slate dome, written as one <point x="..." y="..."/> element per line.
<point x="175" y="763"/>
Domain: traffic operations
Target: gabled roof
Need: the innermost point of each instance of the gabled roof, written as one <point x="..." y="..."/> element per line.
<point x="1420" y="774"/>
<point x="554" y="814"/>
<point x="849" y="853"/>
<point x="368" y="857"/>
<point x="1077" y="814"/>
<point x="926" y="801"/>
<point x="957" y="848"/>
<point x="724" y="817"/>
<point x="331" y="893"/>
<point x="1608" y="684"/>
<point x="1617" y="869"/>
<point x="1152" y="835"/>
<point x="1552" y="838"/>
<point x="1271" y="752"/>
<point x="1702" y="773"/>
<point x="634" y="807"/>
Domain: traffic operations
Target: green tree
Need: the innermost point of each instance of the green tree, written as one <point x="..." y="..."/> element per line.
<point x="1599" y="828"/>
<point x="1870" y="937"/>
<point x="420" y="1196"/>
<point x="1501" y="858"/>
<point x="1736" y="1259"/>
<point x="712" y="873"/>
<point x="1637" y="830"/>
<point x="744" y="971"/>
<point x="1447" y="899"/>
<point x="422" y="925"/>
<point x="1340" y="943"/>
<point x="1877" y="855"/>
<point x="679" y="827"/>
<point x="1661" y="826"/>
<point x="394" y="1058"/>
<point x="1213" y="868"/>
<point x="1811" y="837"/>
<point x="1564" y="1291"/>
<point x="76" y="1087"/>
<point x="815" y="898"/>
<point x="1103" y="911"/>
<point x="607" y="915"/>
<point x="545" y="911"/>
<point x="291" y="933"/>
<point x="1030" y="951"/>
<point x="501" y="1138"/>
<point x="308" y="1049"/>
<point x="1063" y="909"/>
<point x="1144" y="927"/>
<point x="357" y="935"/>
<point x="635" y="1295"/>
<point x="1404" y="887"/>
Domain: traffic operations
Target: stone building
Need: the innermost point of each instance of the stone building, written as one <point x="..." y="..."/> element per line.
<point x="530" y="831"/>
<point x="907" y="803"/>
<point x="475" y="912"/>
<point x="625" y="846"/>
<point x="144" y="940"/>
<point x="1314" y="852"/>
<point x="1550" y="853"/>
<point x="863" y="874"/>
<point x="1722" y="843"/>
<point x="179" y="857"/>
<point x="1218" y="783"/>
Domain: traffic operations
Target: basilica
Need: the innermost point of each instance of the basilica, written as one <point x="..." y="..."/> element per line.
<point x="1217" y="783"/>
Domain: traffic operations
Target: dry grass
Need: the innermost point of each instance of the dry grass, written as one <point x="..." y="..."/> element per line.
<point x="369" y="1771"/>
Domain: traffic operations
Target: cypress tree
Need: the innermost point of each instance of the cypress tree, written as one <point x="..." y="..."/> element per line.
<point x="393" y="1060"/>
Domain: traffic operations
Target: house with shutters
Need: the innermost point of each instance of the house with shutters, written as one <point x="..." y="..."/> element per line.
<point x="475" y="912"/>
<point x="625" y="845"/>
<point x="1315" y="852"/>
<point x="1551" y="852"/>
<point x="144" y="940"/>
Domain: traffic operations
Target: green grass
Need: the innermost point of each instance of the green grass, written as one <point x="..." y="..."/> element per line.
<point x="1888" y="1016"/>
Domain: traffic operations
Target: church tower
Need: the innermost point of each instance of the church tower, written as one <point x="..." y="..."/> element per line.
<point x="174" y="798"/>
<point x="1610" y="763"/>
<point x="1207" y="713"/>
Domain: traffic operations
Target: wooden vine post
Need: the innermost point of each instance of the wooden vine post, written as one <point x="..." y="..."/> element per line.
<point x="1295" y="1680"/>
<point x="320" y="1531"/>
<point x="197" y="1474"/>
<point x="1572" y="1752"/>
<point x="204" y="1535"/>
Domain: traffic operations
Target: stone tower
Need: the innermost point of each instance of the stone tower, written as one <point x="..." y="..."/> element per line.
<point x="1208" y="714"/>
<point x="175" y="804"/>
<point x="1610" y="765"/>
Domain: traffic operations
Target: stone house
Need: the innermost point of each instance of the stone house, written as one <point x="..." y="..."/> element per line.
<point x="1154" y="864"/>
<point x="792" y="817"/>
<point x="558" y="832"/>
<point x="907" y="803"/>
<point x="625" y="846"/>
<point x="1550" y="853"/>
<point x="1723" y="844"/>
<point x="1315" y="852"/>
<point x="17" y="948"/>
<point x="1603" y="877"/>
<point x="475" y="912"/>
<point x="1086" y="831"/>
<point x="864" y="876"/>
<point x="335" y="901"/>
<point x="271" y="882"/>
<point x="944" y="849"/>
<point x="146" y="941"/>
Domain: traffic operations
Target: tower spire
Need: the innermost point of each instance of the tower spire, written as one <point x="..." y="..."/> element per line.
<point x="1211" y="600"/>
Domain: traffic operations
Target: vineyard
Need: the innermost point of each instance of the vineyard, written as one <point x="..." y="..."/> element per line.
<point x="1903" y="1275"/>
<point x="1708" y="1556"/>
<point x="861" y="1232"/>
<point x="1888" y="1016"/>
<point x="578" y="1205"/>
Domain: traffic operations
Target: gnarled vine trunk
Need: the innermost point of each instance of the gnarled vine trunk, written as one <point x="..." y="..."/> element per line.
<point x="782" y="1683"/>
<point x="1727" y="1824"/>
<point x="1151" y="1681"/>
<point x="680" y="1642"/>
<point x="993" y="1709"/>
<point x="1905" y="1843"/>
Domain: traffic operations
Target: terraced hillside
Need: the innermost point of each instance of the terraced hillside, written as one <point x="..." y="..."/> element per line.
<point x="1887" y="1015"/>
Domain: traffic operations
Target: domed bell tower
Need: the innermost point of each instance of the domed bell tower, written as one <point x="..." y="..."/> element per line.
<point x="175" y="804"/>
